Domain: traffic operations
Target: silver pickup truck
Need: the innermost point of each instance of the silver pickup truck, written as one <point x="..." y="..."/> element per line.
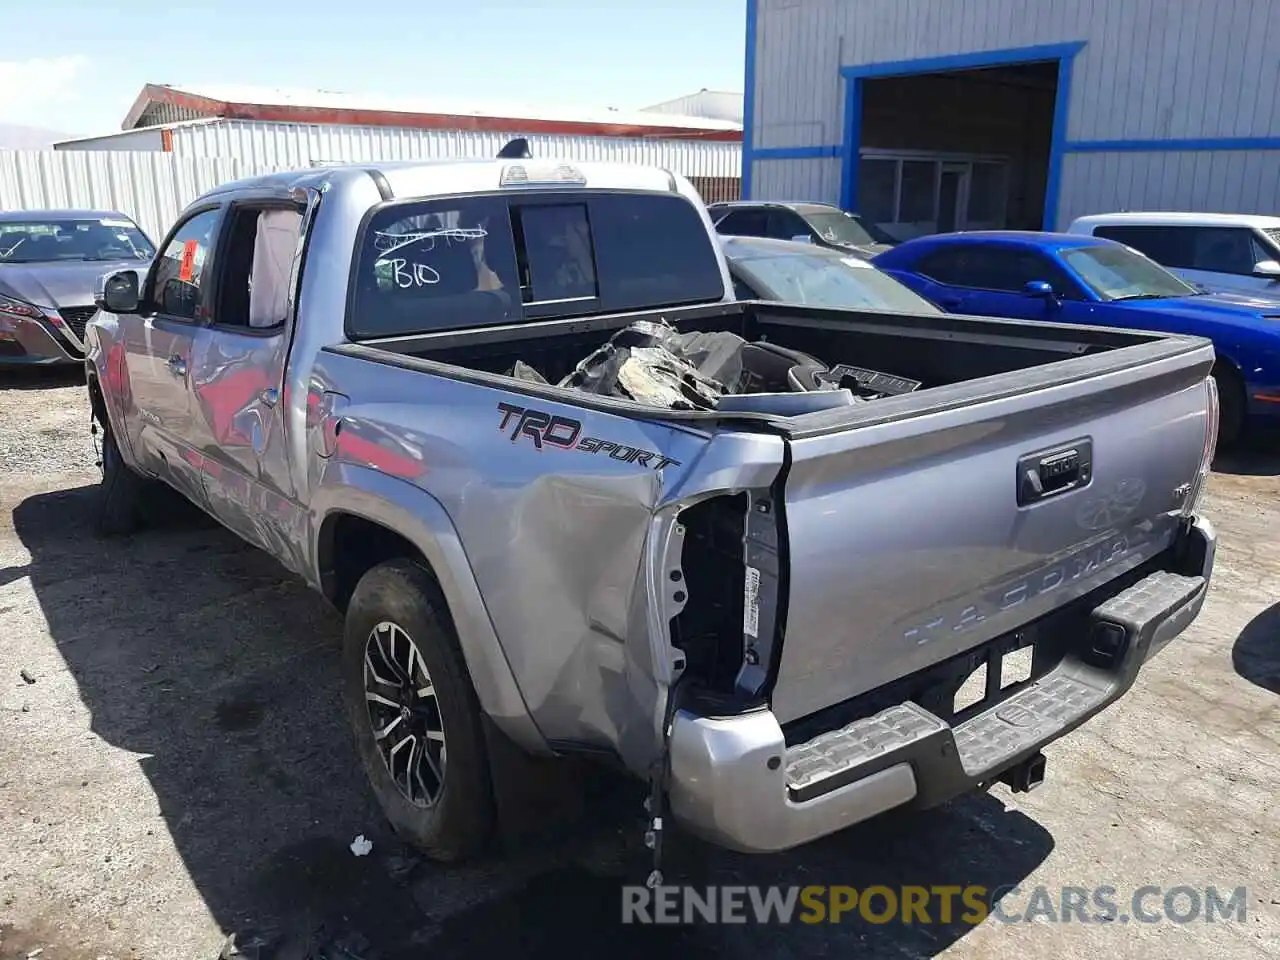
<point x="507" y="417"/>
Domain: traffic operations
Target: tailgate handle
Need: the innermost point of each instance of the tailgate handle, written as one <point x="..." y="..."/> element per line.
<point x="1048" y="473"/>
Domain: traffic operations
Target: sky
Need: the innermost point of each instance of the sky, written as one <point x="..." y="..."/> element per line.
<point x="563" y="52"/>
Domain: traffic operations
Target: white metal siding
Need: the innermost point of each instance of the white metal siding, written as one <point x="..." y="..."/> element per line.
<point x="817" y="180"/>
<point x="1150" y="70"/>
<point x="711" y="104"/>
<point x="300" y="145"/>
<point x="126" y="140"/>
<point x="152" y="188"/>
<point x="1221" y="181"/>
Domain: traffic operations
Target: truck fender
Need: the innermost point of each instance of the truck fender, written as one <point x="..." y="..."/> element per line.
<point x="107" y="381"/>
<point x="418" y="517"/>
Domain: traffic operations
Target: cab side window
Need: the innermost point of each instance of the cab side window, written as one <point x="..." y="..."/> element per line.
<point x="1170" y="246"/>
<point x="256" y="286"/>
<point x="745" y="223"/>
<point x="1226" y="250"/>
<point x="179" y="284"/>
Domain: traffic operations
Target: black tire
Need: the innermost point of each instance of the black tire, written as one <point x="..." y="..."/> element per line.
<point x="1231" y="405"/>
<point x="461" y="819"/>
<point x="120" y="498"/>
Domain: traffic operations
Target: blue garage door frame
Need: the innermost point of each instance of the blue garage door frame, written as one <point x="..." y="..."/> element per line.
<point x="1063" y="53"/>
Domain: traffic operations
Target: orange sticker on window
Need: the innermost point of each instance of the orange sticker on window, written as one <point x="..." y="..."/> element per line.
<point x="188" y="268"/>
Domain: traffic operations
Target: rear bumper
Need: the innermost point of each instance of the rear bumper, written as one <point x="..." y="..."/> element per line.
<point x="31" y="342"/>
<point x="735" y="781"/>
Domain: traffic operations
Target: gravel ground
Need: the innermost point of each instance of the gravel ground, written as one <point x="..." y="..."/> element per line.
<point x="179" y="770"/>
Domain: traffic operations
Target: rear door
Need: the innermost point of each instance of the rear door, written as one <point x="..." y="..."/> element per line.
<point x="238" y="384"/>
<point x="913" y="541"/>
<point x="158" y="347"/>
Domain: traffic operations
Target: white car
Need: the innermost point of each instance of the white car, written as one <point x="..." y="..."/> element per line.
<point x="1226" y="252"/>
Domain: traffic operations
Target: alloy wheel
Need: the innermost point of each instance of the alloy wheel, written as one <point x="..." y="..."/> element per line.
<point x="404" y="714"/>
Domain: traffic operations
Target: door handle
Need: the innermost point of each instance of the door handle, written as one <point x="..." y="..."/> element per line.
<point x="269" y="397"/>
<point x="1047" y="473"/>
<point x="177" y="366"/>
<point x="950" y="303"/>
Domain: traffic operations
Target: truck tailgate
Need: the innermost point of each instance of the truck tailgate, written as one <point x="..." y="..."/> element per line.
<point x="913" y="540"/>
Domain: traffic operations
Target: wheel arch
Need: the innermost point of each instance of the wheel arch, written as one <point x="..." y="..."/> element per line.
<point x="364" y="518"/>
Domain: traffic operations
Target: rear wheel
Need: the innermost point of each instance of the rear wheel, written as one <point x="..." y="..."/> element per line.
<point x="416" y="718"/>
<point x="1231" y="404"/>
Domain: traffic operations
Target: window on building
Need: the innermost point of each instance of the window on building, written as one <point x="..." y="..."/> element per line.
<point x="987" y="192"/>
<point x="877" y="189"/>
<point x="918" y="200"/>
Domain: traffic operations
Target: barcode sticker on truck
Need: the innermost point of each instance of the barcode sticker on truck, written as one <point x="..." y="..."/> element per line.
<point x="751" y="603"/>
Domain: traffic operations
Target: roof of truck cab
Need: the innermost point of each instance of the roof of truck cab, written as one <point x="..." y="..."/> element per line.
<point x="411" y="178"/>
<point x="1169" y="219"/>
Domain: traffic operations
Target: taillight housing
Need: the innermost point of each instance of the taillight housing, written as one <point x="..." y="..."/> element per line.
<point x="1192" y="503"/>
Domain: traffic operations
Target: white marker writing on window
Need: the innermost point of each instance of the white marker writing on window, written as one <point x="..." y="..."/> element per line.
<point x="406" y="274"/>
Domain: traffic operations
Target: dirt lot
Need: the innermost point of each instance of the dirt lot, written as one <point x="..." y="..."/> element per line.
<point x="180" y="770"/>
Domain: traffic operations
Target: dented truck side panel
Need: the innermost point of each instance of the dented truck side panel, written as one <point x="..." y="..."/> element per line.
<point x="563" y="513"/>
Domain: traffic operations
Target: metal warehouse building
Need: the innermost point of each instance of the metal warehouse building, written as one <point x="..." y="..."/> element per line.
<point x="273" y="128"/>
<point x="938" y="115"/>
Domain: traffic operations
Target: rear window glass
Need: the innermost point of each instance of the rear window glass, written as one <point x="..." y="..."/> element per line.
<point x="465" y="262"/>
<point x="435" y="266"/>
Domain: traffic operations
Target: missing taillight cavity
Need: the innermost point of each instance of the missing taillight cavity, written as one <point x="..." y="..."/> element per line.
<point x="709" y="629"/>
<point x="730" y="565"/>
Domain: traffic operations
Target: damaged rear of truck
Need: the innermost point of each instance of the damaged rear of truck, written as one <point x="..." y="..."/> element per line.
<point x="748" y="551"/>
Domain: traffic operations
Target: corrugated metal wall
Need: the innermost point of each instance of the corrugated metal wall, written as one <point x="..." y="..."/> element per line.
<point x="152" y="188"/>
<point x="713" y="104"/>
<point x="1150" y="70"/>
<point x="147" y="139"/>
<point x="1221" y="181"/>
<point x="300" y="145"/>
<point x="811" y="179"/>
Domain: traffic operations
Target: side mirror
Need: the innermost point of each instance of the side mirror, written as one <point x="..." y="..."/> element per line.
<point x="117" y="292"/>
<point x="802" y="238"/>
<point x="1038" y="288"/>
<point x="1268" y="269"/>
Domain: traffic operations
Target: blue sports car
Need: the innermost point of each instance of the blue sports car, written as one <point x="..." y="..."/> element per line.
<point x="1067" y="278"/>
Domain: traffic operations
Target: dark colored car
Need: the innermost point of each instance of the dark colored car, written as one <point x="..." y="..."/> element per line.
<point x="764" y="269"/>
<point x="817" y="223"/>
<point x="1070" y="278"/>
<point x="50" y="261"/>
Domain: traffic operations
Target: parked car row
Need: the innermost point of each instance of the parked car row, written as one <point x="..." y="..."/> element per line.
<point x="1220" y="280"/>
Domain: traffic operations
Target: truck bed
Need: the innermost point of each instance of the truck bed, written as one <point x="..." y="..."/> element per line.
<point x="943" y="351"/>
<point x="905" y="532"/>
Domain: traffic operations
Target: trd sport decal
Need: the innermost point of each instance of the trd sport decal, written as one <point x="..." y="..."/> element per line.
<point x="565" y="433"/>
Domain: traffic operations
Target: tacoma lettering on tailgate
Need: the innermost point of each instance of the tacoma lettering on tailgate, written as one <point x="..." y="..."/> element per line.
<point x="1084" y="563"/>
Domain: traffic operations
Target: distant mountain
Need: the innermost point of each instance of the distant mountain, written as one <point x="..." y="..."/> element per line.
<point x="16" y="137"/>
